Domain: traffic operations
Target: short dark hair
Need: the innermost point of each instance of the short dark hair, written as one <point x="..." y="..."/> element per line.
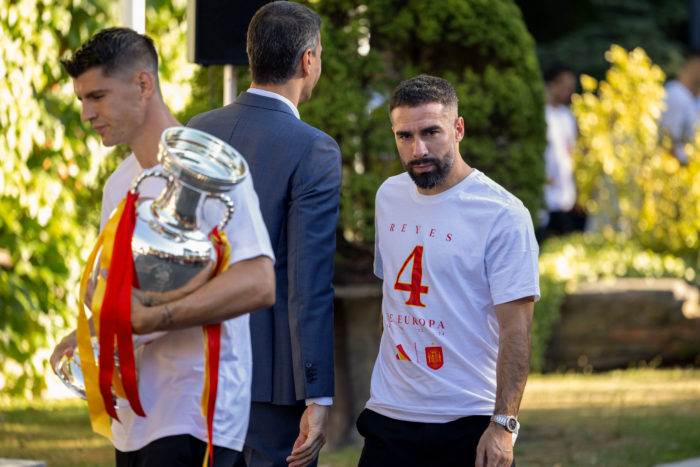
<point x="114" y="50"/>
<point x="553" y="72"/>
<point x="278" y="35"/>
<point x="423" y="89"/>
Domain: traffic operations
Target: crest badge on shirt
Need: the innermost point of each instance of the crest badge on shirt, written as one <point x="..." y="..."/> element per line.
<point x="433" y="356"/>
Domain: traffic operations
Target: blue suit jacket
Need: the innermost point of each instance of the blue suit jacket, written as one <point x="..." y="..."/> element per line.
<point x="296" y="172"/>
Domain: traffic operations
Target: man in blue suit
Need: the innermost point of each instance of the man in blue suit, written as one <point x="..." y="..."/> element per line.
<point x="296" y="172"/>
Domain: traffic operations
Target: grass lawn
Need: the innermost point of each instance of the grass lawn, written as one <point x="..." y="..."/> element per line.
<point x="621" y="418"/>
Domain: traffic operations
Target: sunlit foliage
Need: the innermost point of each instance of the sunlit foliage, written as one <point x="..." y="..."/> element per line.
<point x="49" y="165"/>
<point x="628" y="181"/>
<point x="53" y="167"/>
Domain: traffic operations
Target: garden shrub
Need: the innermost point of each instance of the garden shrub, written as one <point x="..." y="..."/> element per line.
<point x="627" y="180"/>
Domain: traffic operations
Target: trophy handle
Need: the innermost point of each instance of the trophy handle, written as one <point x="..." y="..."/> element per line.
<point x="149" y="173"/>
<point x="229" y="208"/>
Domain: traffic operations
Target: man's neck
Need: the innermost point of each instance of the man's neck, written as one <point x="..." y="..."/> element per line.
<point x="550" y="99"/>
<point x="290" y="89"/>
<point x="145" y="147"/>
<point x="687" y="83"/>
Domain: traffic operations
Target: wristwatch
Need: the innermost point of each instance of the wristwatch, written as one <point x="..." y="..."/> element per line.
<point x="509" y="422"/>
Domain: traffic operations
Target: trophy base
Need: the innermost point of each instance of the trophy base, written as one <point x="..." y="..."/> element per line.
<point x="71" y="375"/>
<point x="68" y="368"/>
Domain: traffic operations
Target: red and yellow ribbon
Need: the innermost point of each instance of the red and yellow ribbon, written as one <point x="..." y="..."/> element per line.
<point x="212" y="347"/>
<point x="111" y="316"/>
<point x="99" y="416"/>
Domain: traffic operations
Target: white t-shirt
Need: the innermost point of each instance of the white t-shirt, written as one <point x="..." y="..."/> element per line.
<point x="457" y="253"/>
<point x="560" y="189"/>
<point x="680" y="117"/>
<point x="171" y="372"/>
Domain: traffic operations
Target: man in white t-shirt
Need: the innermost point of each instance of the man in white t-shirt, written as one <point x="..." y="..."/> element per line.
<point x="680" y="118"/>
<point x="458" y="257"/>
<point x="564" y="215"/>
<point x="116" y="79"/>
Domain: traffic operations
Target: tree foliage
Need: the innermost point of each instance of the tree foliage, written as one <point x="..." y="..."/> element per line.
<point x="53" y="169"/>
<point x="627" y="180"/>
<point x="484" y="49"/>
<point x="341" y="106"/>
<point x="46" y="177"/>
<point x="584" y="29"/>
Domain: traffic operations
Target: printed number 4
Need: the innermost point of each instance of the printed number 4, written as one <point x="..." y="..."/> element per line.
<point x="414" y="287"/>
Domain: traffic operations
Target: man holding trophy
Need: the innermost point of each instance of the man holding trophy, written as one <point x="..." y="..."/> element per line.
<point x="115" y="76"/>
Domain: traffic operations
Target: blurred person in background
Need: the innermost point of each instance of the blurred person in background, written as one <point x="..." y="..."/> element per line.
<point x="563" y="215"/>
<point x="680" y="118"/>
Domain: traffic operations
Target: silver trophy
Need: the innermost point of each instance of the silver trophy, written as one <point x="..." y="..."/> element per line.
<point x="168" y="245"/>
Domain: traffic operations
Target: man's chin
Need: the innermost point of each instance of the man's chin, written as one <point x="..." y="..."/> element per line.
<point x="426" y="180"/>
<point x="107" y="142"/>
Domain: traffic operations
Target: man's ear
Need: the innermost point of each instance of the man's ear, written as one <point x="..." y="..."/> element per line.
<point x="146" y="83"/>
<point x="306" y="62"/>
<point x="459" y="129"/>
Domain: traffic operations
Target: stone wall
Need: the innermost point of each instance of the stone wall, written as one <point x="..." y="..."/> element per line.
<point x="608" y="325"/>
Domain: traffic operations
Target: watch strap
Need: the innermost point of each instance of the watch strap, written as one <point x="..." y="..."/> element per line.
<point x="509" y="422"/>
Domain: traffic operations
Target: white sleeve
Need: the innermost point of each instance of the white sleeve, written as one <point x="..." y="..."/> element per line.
<point x="378" y="267"/>
<point x="108" y="204"/>
<point x="511" y="256"/>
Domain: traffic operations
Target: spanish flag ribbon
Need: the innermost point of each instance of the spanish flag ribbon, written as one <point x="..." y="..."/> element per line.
<point x="212" y="347"/>
<point x="99" y="417"/>
<point x="115" y="316"/>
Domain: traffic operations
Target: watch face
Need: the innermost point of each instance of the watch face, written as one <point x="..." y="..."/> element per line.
<point x="512" y="424"/>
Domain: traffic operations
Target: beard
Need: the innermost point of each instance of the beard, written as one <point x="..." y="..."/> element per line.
<point x="434" y="177"/>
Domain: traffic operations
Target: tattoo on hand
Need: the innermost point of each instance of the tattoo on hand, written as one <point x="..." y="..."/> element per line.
<point x="167" y="318"/>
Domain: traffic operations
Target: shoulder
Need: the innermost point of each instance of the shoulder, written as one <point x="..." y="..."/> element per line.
<point x="485" y="190"/>
<point x="123" y="175"/>
<point x="262" y="115"/>
<point x="395" y="185"/>
<point x="677" y="93"/>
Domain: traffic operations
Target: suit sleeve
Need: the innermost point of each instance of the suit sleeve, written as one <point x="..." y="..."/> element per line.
<point x="312" y="223"/>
